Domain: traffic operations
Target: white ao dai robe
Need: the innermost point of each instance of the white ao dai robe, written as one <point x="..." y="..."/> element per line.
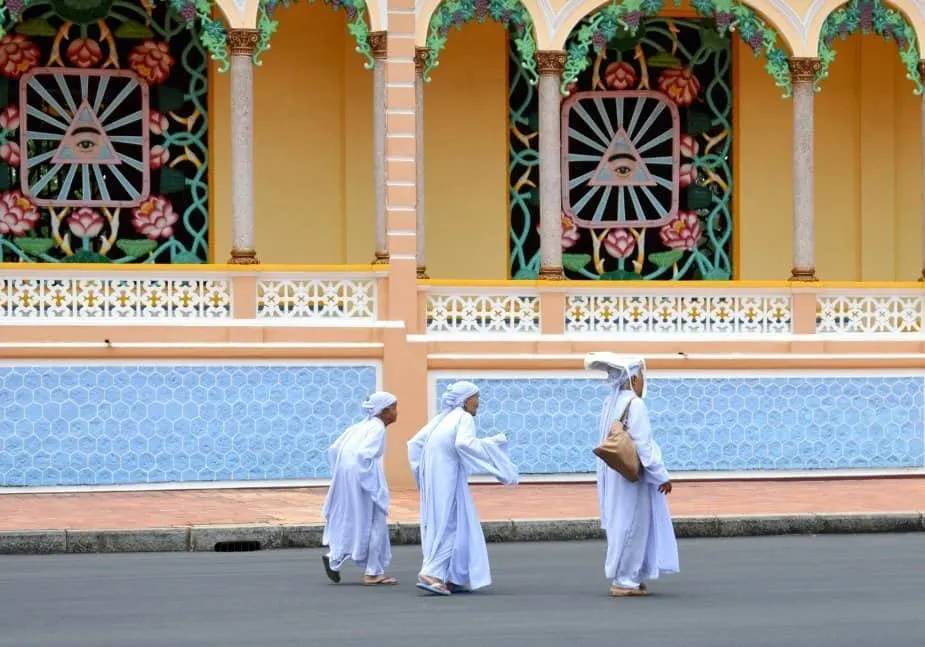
<point x="358" y="499"/>
<point x="641" y="543"/>
<point x="442" y="456"/>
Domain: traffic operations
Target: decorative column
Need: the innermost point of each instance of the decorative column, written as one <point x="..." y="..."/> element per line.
<point x="378" y="41"/>
<point x="922" y="76"/>
<point x="803" y="75"/>
<point x="420" y="58"/>
<point x="242" y="44"/>
<point x="550" y="65"/>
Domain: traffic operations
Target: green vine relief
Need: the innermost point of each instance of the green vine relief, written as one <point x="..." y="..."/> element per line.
<point x="510" y="13"/>
<point x="869" y="16"/>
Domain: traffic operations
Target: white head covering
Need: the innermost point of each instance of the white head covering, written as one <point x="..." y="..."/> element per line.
<point x="378" y="402"/>
<point x="619" y="368"/>
<point x="457" y="394"/>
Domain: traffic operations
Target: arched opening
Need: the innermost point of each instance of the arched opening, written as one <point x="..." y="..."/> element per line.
<point x="314" y="180"/>
<point x="868" y="166"/>
<point x="465" y="153"/>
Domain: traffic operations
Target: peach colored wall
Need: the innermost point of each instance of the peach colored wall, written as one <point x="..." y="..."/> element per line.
<point x="313" y="156"/>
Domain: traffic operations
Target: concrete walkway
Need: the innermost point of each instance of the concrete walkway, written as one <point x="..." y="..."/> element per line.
<point x="197" y="519"/>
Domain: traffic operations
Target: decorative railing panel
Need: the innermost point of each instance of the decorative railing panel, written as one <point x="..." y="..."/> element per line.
<point x="679" y="313"/>
<point x="499" y="313"/>
<point x="896" y="313"/>
<point x="114" y="297"/>
<point x="352" y="298"/>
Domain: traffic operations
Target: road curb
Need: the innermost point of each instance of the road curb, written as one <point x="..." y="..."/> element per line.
<point x="205" y="538"/>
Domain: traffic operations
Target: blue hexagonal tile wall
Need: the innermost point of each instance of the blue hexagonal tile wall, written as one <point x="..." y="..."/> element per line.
<point x="717" y="424"/>
<point x="104" y="424"/>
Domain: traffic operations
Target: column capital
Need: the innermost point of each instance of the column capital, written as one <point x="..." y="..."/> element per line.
<point x="804" y="70"/>
<point x="550" y="62"/>
<point x="378" y="43"/>
<point x="421" y="54"/>
<point x="243" y="42"/>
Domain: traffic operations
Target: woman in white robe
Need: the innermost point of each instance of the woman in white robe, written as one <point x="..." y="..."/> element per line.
<point x="641" y="543"/>
<point x="442" y="455"/>
<point x="357" y="506"/>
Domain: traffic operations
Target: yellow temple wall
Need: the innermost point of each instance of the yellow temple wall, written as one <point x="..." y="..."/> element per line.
<point x="314" y="175"/>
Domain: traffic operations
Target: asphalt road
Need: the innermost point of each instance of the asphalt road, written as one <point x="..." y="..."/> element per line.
<point x="838" y="591"/>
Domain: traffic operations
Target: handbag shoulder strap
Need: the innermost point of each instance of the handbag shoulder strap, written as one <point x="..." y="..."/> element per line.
<point x="626" y="412"/>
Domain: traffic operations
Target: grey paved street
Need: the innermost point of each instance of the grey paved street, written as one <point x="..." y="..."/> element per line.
<point x="841" y="591"/>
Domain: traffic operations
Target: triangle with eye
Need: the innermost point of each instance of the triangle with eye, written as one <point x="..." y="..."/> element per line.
<point x="86" y="141"/>
<point x="621" y="165"/>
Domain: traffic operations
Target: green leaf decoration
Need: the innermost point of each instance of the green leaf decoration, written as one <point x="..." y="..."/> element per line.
<point x="36" y="27"/>
<point x="86" y="256"/>
<point x="525" y="274"/>
<point x="716" y="274"/>
<point x="172" y="181"/>
<point x="663" y="59"/>
<point x="666" y="259"/>
<point x="712" y="40"/>
<point x="136" y="248"/>
<point x="575" y="262"/>
<point x="621" y="275"/>
<point x="625" y="40"/>
<point x="698" y="122"/>
<point x="186" y="258"/>
<point x="698" y="197"/>
<point x="82" y="12"/>
<point x="133" y="30"/>
<point x="34" y="246"/>
<point x="169" y="99"/>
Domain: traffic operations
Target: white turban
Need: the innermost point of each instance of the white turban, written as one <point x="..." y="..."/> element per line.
<point x="619" y="368"/>
<point x="457" y="394"/>
<point x="378" y="402"/>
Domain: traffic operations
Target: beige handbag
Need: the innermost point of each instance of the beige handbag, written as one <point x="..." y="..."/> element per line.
<point x="618" y="451"/>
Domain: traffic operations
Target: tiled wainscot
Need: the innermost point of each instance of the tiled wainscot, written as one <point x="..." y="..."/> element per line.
<point x="706" y="422"/>
<point x="104" y="424"/>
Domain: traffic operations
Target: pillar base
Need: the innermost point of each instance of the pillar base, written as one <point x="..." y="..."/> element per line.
<point x="803" y="276"/>
<point x="243" y="257"/>
<point x="382" y="258"/>
<point x="422" y="272"/>
<point x="551" y="274"/>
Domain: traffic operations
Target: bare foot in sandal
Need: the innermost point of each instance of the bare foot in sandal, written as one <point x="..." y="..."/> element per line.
<point x="376" y="580"/>
<point x="432" y="585"/>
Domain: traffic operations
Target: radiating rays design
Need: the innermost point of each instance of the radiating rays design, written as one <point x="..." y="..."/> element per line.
<point x="55" y="127"/>
<point x="636" y="125"/>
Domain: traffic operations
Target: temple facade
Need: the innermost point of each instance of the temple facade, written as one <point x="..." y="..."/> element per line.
<point x="222" y="224"/>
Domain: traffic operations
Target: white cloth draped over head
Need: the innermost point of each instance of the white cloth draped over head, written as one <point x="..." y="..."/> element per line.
<point x="358" y="498"/>
<point x="442" y="456"/>
<point x="641" y="543"/>
<point x="377" y="403"/>
<point x="456" y="395"/>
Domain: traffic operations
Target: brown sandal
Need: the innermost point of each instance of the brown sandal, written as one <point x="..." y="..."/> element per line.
<point x="616" y="592"/>
<point x="382" y="579"/>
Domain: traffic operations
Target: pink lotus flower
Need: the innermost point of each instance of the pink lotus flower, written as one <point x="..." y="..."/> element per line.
<point x="620" y="76"/>
<point x="18" y="215"/>
<point x="570" y="234"/>
<point x="84" y="53"/>
<point x="680" y="85"/>
<point x="159" y="157"/>
<point x="155" y="218"/>
<point x="687" y="175"/>
<point x="86" y="223"/>
<point x="620" y="243"/>
<point x="681" y="233"/>
<point x="157" y="123"/>
<point x="9" y="117"/>
<point x="151" y="61"/>
<point x="689" y="146"/>
<point x="9" y="153"/>
<point x="18" y="55"/>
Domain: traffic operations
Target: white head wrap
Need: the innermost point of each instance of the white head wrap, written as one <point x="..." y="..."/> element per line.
<point x="457" y="394"/>
<point x="378" y="402"/>
<point x="619" y="369"/>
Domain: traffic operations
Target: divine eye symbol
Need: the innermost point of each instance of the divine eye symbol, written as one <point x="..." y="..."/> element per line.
<point x="623" y="165"/>
<point x="86" y="140"/>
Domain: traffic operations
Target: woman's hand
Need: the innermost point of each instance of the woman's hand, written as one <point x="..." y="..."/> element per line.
<point x="665" y="488"/>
